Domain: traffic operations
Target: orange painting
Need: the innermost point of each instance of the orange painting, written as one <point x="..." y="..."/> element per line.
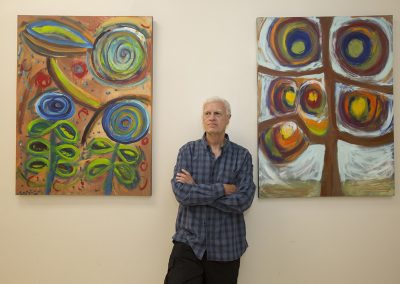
<point x="84" y="105"/>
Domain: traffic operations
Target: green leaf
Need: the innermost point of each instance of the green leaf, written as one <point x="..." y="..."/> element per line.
<point x="38" y="147"/>
<point x="97" y="167"/>
<point x="65" y="169"/>
<point x="66" y="131"/>
<point x="39" y="127"/>
<point x="68" y="152"/>
<point x="129" y="154"/>
<point x="125" y="173"/>
<point x="36" y="164"/>
<point x="101" y="146"/>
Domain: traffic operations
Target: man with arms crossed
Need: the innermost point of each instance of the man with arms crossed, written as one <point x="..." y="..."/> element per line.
<point x="213" y="183"/>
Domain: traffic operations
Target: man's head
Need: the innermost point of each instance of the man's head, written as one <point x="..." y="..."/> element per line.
<point x="216" y="115"/>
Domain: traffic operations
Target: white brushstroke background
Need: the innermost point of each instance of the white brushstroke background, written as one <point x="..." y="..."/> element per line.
<point x="365" y="163"/>
<point x="307" y="167"/>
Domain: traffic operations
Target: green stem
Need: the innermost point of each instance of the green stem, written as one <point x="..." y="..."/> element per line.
<point x="52" y="162"/>
<point x="110" y="175"/>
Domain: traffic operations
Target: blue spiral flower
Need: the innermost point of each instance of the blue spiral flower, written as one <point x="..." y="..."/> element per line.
<point x="55" y="106"/>
<point x="126" y="122"/>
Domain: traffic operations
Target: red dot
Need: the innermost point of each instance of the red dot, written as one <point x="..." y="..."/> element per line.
<point x="42" y="80"/>
<point x="145" y="140"/>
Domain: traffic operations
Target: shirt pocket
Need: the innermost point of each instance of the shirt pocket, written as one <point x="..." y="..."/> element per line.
<point x="229" y="177"/>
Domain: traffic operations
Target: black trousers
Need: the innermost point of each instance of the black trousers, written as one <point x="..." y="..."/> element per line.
<point x="185" y="268"/>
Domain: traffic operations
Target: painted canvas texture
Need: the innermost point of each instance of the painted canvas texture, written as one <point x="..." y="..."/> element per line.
<point x="325" y="106"/>
<point x="84" y="105"/>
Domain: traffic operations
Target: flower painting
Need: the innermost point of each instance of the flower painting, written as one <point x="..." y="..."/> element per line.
<point x="84" y="103"/>
<point x="325" y="106"/>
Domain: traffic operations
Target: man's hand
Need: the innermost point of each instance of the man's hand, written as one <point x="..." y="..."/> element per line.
<point x="229" y="188"/>
<point x="184" y="177"/>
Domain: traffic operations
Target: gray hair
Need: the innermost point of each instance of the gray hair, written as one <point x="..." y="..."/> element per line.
<point x="219" y="100"/>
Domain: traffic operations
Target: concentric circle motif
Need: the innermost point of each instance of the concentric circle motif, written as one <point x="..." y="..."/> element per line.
<point x="312" y="98"/>
<point x="120" y="55"/>
<point x="284" y="142"/>
<point x="126" y="121"/>
<point x="363" y="110"/>
<point x="362" y="47"/>
<point x="282" y="95"/>
<point x="55" y="106"/>
<point x="294" y="41"/>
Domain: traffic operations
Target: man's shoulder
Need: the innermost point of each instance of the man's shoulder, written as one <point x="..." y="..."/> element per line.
<point x="238" y="147"/>
<point x="191" y="144"/>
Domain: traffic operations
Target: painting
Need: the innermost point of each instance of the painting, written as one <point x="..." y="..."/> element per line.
<point x="84" y="105"/>
<point x="325" y="106"/>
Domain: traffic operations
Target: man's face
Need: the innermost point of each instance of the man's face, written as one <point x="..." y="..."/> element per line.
<point x="215" y="118"/>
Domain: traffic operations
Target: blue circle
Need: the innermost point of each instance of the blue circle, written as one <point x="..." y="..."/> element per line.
<point x="296" y="36"/>
<point x="122" y="119"/>
<point x="55" y="106"/>
<point x="364" y="55"/>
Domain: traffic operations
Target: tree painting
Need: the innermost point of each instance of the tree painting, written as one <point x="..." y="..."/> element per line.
<point x="84" y="102"/>
<point x="325" y="106"/>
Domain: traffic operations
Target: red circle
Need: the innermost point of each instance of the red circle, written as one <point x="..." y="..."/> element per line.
<point x="79" y="69"/>
<point x="145" y="140"/>
<point x="42" y="80"/>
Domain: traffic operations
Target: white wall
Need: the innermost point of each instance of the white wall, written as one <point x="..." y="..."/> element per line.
<point x="201" y="48"/>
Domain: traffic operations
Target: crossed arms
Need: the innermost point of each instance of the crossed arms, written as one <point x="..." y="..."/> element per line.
<point x="233" y="197"/>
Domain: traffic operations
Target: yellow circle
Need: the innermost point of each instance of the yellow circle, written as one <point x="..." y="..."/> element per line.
<point x="355" y="48"/>
<point x="359" y="107"/>
<point x="313" y="96"/>
<point x="290" y="98"/>
<point x="298" y="47"/>
<point x="287" y="130"/>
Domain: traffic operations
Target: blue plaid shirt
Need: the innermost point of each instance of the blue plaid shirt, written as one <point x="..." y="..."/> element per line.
<point x="207" y="219"/>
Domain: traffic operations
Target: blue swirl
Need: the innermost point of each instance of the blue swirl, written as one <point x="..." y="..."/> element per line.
<point x="55" y="106"/>
<point x="126" y="121"/>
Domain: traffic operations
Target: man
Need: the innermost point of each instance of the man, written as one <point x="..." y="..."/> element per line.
<point x="213" y="183"/>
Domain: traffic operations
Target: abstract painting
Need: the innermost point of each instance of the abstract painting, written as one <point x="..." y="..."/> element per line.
<point x="84" y="104"/>
<point x="325" y="106"/>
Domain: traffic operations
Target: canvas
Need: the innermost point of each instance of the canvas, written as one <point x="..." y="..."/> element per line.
<point x="84" y="105"/>
<point x="325" y="106"/>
